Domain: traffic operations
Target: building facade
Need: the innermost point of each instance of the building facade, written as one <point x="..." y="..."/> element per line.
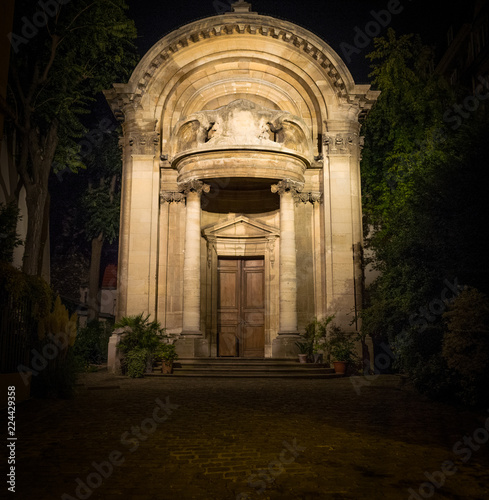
<point x="241" y="205"/>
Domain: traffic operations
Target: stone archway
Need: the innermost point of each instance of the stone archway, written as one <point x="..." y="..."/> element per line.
<point x="240" y="114"/>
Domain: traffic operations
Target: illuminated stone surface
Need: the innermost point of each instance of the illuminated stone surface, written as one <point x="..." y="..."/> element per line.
<point x="240" y="102"/>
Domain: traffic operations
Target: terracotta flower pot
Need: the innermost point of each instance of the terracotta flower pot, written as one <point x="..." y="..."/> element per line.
<point x="302" y="358"/>
<point x="167" y="367"/>
<point x="339" y="367"/>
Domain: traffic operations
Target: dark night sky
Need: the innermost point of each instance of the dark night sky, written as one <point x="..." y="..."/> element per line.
<point x="332" y="20"/>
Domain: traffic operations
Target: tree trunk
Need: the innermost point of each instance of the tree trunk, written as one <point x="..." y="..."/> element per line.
<point x="36" y="204"/>
<point x="94" y="279"/>
<point x="40" y="150"/>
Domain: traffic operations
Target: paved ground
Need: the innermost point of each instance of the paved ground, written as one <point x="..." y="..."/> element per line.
<point x="182" y="439"/>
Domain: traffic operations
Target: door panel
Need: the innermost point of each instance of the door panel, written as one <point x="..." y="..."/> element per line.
<point x="241" y="308"/>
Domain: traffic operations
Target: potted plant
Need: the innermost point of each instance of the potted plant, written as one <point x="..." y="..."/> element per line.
<point x="167" y="354"/>
<point x="140" y="339"/>
<point x="316" y="331"/>
<point x="341" y="347"/>
<point x="305" y="350"/>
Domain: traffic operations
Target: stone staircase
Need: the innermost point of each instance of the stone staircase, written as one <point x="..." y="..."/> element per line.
<point x="246" y="367"/>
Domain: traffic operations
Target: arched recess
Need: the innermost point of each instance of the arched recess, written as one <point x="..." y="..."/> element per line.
<point x="273" y="61"/>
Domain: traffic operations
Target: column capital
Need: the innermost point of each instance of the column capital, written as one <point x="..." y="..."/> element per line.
<point x="342" y="143"/>
<point x="193" y="185"/>
<point x="287" y="186"/>
<point x="171" y="197"/>
<point x="308" y="197"/>
<point x="143" y="143"/>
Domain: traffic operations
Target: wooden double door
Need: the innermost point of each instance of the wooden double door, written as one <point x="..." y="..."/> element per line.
<point x="241" y="307"/>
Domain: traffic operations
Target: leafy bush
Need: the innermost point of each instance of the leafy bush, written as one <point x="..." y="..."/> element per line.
<point x="418" y="354"/>
<point x="9" y="216"/>
<point x="466" y="345"/>
<point x="92" y="342"/>
<point x="140" y="333"/>
<point x="316" y="331"/>
<point x="166" y="352"/>
<point x="56" y="336"/>
<point x="141" y="336"/>
<point x="340" y="344"/>
<point x="136" y="362"/>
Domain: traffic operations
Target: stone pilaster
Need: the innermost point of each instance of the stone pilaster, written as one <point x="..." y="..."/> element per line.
<point x="284" y="345"/>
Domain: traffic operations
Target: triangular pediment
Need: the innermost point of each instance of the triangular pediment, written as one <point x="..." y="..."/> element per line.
<point x="240" y="227"/>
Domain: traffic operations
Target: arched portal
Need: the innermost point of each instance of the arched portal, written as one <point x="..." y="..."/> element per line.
<point x="241" y="169"/>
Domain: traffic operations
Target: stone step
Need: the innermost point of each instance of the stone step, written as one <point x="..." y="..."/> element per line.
<point x="235" y="374"/>
<point x="255" y="368"/>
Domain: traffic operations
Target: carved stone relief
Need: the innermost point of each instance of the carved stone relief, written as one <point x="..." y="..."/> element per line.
<point x="241" y="123"/>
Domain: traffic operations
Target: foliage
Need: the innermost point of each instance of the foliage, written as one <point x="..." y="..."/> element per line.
<point x="140" y="336"/>
<point x="92" y="342"/>
<point x="140" y="333"/>
<point x="316" y="331"/>
<point x="22" y="287"/>
<point x="9" y="239"/>
<point x="83" y="49"/>
<point x="57" y="330"/>
<point x="166" y="352"/>
<point x="101" y="200"/>
<point x="340" y="344"/>
<point x="305" y="347"/>
<point x="136" y="361"/>
<point x="58" y="322"/>
<point x="466" y="345"/>
<point x="423" y="209"/>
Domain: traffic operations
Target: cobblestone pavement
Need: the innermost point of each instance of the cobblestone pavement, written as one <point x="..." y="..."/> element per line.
<point x="196" y="438"/>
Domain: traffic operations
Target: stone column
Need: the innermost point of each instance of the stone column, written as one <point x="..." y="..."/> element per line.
<point x="284" y="344"/>
<point x="191" y="270"/>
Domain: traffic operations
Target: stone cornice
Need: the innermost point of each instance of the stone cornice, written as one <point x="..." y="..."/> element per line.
<point x="250" y="24"/>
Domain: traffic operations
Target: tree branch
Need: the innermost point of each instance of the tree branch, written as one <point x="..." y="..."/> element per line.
<point x="54" y="45"/>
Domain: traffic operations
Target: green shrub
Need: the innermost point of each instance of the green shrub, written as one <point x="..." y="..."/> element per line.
<point x="340" y="344"/>
<point x="9" y="216"/>
<point x="140" y="336"/>
<point x="136" y="362"/>
<point x="316" y="331"/>
<point x="466" y="345"/>
<point x="56" y="335"/>
<point x="92" y="342"/>
<point x="418" y="354"/>
<point x="140" y="333"/>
